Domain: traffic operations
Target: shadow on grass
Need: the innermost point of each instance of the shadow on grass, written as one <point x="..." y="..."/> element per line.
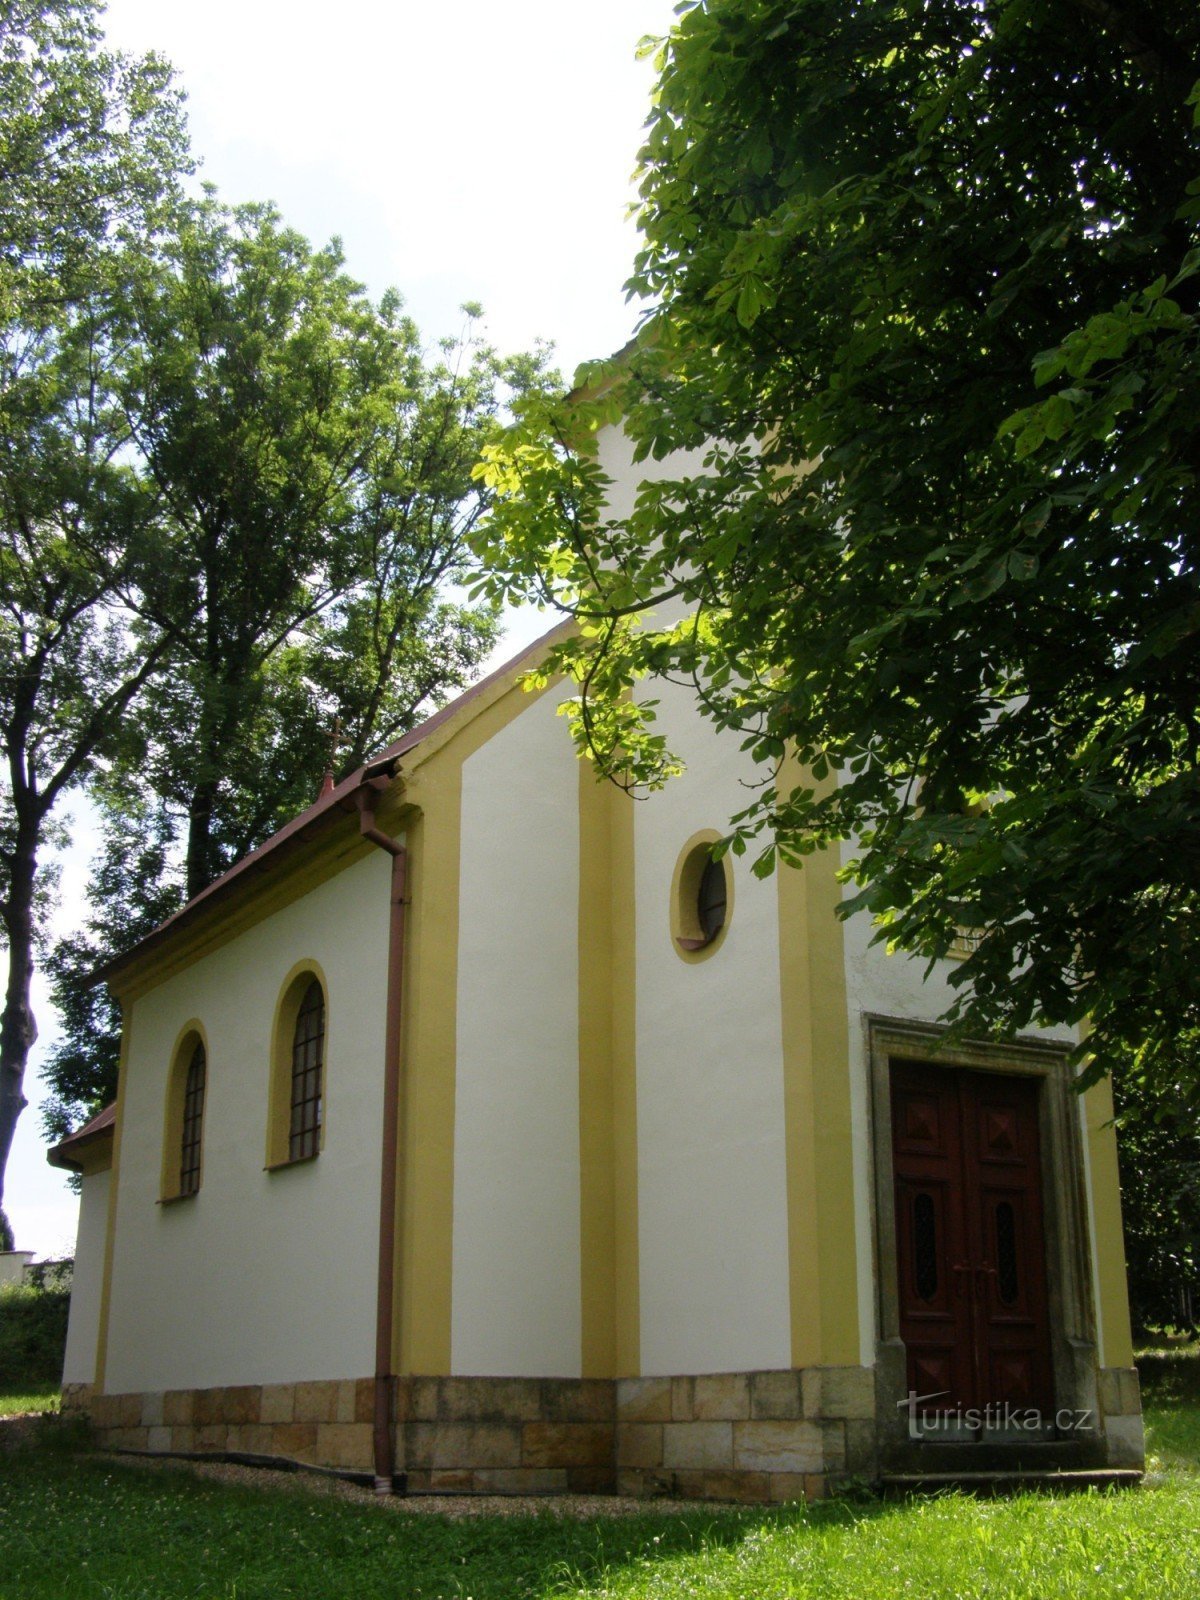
<point x="1170" y="1380"/>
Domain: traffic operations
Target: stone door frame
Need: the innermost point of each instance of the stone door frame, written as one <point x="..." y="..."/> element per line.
<point x="1073" y="1336"/>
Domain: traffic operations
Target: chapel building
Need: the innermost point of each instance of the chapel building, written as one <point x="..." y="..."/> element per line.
<point x="479" y="1133"/>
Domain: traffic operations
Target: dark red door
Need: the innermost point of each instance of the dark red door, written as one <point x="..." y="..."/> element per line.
<point x="970" y="1238"/>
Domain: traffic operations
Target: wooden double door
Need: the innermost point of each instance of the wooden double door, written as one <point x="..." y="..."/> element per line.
<point x="970" y="1240"/>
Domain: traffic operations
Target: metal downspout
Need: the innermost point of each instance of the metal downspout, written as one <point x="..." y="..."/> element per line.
<point x="384" y="1441"/>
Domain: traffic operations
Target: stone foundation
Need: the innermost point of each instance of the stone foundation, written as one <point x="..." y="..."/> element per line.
<point x="749" y="1436"/>
<point x="506" y="1435"/>
<point x="757" y="1436"/>
<point x="753" y="1436"/>
<point x="324" y="1424"/>
<point x="1120" y="1396"/>
<point x="77" y="1399"/>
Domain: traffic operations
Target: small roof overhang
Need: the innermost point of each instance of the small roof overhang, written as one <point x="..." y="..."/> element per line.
<point x="80" y="1150"/>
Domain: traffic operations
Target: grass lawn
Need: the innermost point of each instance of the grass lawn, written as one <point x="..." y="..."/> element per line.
<point x="18" y="1399"/>
<point x="71" y="1528"/>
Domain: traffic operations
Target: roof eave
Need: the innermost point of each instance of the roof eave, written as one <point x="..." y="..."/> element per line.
<point x="273" y="853"/>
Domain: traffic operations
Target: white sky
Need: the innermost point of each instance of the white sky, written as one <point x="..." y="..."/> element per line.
<point x="465" y="151"/>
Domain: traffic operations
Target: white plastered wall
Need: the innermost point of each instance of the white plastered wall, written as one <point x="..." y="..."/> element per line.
<point x="614" y="455"/>
<point x="262" y="1277"/>
<point x="712" y="1180"/>
<point x="516" y="1243"/>
<point x="79" y="1363"/>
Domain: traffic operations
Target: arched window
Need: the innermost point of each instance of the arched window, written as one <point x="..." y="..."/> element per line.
<point x="308" y="1053"/>
<point x="183" y="1131"/>
<point x="193" y="1122"/>
<point x="296" y="1104"/>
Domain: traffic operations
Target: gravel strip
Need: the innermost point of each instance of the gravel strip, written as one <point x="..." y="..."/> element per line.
<point x="578" y="1507"/>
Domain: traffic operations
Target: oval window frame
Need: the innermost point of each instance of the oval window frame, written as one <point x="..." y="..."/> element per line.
<point x="688" y="939"/>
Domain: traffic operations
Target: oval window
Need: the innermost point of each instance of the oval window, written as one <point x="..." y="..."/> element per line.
<point x="711" y="900"/>
<point x="701" y="897"/>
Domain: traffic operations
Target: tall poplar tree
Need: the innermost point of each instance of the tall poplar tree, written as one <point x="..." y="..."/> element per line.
<point x="92" y="144"/>
<point x="311" y="466"/>
<point x="234" y="497"/>
<point x="313" y="471"/>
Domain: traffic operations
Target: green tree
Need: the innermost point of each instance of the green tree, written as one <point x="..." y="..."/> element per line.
<point x="313" y="468"/>
<point x="1158" y="1147"/>
<point x="91" y="147"/>
<point x="134" y="885"/>
<point x="924" y="276"/>
<point x="311" y="465"/>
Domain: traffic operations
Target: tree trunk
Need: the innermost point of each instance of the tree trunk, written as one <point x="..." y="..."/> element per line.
<point x="199" y="838"/>
<point x="199" y="861"/>
<point x="18" y="1030"/>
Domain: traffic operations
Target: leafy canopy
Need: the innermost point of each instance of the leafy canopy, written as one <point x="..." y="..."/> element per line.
<point x="923" y="279"/>
<point x="310" y="463"/>
<point x="92" y="149"/>
<point x="313" y="468"/>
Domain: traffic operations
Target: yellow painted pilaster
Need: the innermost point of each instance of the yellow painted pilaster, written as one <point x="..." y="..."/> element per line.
<point x="1109" y="1242"/>
<point x="822" y="1244"/>
<point x="607" y="1082"/>
<point x="114" y="1185"/>
<point x="597" y="1218"/>
<point x="427" y="1219"/>
<point x="624" y="1086"/>
<point x="799" y="1118"/>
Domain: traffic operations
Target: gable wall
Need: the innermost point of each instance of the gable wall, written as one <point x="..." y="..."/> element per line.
<point x="262" y="1277"/>
<point x="619" y="1139"/>
<point x="727" y="1053"/>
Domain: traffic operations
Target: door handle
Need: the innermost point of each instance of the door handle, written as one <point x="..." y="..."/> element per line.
<point x="982" y="1273"/>
<point x="962" y="1277"/>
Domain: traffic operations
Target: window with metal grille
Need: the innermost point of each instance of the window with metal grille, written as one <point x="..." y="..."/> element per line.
<point x="965" y="943"/>
<point x="308" y="1051"/>
<point x="193" y="1123"/>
